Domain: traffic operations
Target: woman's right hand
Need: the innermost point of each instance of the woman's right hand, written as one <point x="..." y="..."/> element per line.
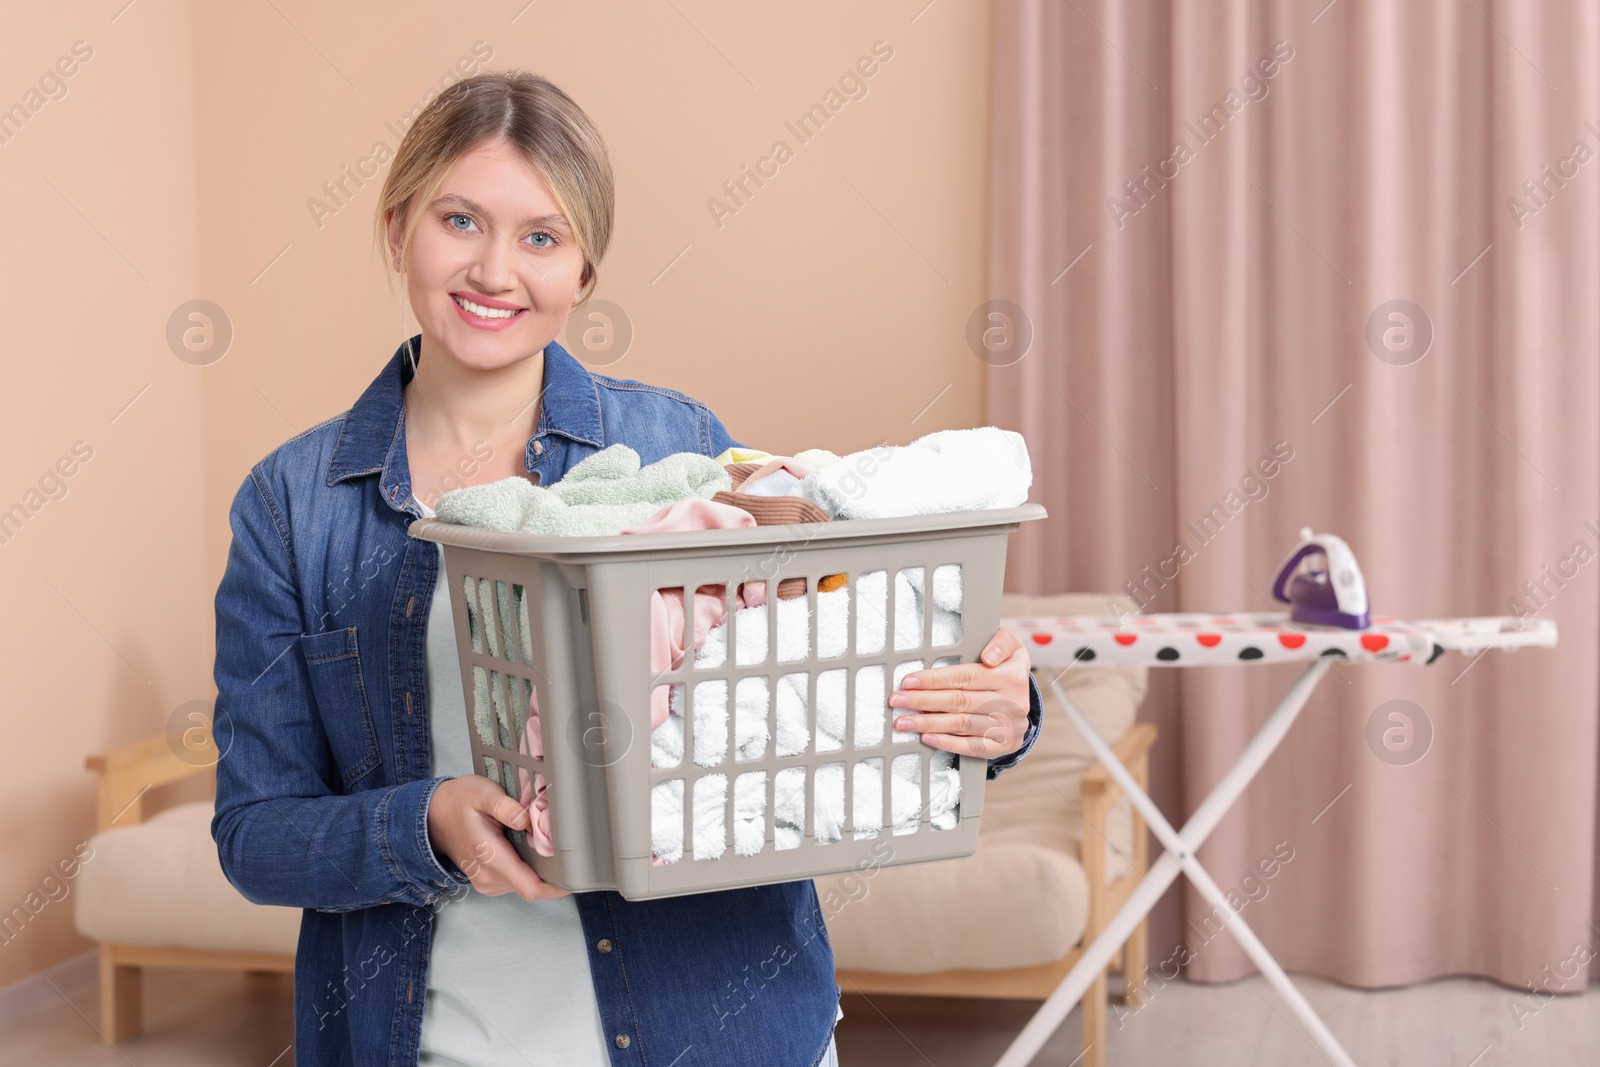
<point x="465" y="817"/>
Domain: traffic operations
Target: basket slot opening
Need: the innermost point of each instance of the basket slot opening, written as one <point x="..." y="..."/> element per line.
<point x="669" y="820"/>
<point x="469" y="596"/>
<point x="753" y="714"/>
<point x="792" y="689"/>
<point x="789" y="808"/>
<point x="872" y="611"/>
<point x="871" y="711"/>
<point x="667" y="740"/>
<point x="908" y="598"/>
<point x="831" y="613"/>
<point x="483" y="709"/>
<point x="832" y="710"/>
<point x="905" y="737"/>
<point x="949" y="598"/>
<point x="869" y="781"/>
<point x="828" y="810"/>
<point x="707" y="731"/>
<point x="747" y="808"/>
<point x="909" y="786"/>
<point x="710" y="823"/>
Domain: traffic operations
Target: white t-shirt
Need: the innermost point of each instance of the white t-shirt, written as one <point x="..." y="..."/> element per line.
<point x="483" y="999"/>
<point x="508" y="979"/>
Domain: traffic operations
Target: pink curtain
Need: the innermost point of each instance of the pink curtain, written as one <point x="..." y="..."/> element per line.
<point x="1354" y="245"/>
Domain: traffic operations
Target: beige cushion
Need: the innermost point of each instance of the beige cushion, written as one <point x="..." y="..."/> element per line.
<point x="159" y="883"/>
<point x="1024" y="887"/>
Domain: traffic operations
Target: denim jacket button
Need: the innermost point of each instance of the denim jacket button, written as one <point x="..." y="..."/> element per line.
<point x="604" y="944"/>
<point x="623" y="1041"/>
<point x="538" y="448"/>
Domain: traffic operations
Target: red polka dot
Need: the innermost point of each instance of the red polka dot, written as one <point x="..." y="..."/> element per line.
<point x="1042" y="639"/>
<point x="1374" y="642"/>
<point x="1125" y="639"/>
<point x="1209" y="640"/>
<point x="1291" y="640"/>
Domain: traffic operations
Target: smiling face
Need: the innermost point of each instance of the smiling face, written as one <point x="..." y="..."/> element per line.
<point x="494" y="267"/>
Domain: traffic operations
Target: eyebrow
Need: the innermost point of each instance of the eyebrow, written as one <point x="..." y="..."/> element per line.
<point x="457" y="200"/>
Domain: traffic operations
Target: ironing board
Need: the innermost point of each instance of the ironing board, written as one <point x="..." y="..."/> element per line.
<point x="1197" y="640"/>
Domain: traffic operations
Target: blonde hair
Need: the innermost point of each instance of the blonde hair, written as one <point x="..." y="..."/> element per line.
<point x="541" y="122"/>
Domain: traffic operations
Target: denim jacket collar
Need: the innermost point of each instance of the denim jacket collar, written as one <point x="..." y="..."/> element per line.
<point x="373" y="438"/>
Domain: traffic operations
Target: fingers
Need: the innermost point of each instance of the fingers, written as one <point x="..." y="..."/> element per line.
<point x="1001" y="659"/>
<point x="1002" y="646"/>
<point x="509" y="812"/>
<point x="504" y="871"/>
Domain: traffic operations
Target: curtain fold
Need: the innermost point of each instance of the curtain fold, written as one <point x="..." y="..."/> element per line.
<point x="1356" y="246"/>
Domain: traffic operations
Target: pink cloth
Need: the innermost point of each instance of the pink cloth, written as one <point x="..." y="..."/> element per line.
<point x="667" y="637"/>
<point x="667" y="641"/>
<point x="532" y="795"/>
<point x="788" y="463"/>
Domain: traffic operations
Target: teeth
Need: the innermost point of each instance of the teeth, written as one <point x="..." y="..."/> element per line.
<point x="483" y="312"/>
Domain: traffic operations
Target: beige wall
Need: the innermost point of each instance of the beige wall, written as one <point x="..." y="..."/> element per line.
<point x="829" y="310"/>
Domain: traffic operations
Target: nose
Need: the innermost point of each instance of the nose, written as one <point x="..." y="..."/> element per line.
<point x="492" y="271"/>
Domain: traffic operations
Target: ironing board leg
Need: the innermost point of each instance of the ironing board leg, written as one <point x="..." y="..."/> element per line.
<point x="1179" y="856"/>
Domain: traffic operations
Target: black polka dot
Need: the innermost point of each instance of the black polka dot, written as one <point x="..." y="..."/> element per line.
<point x="1251" y="652"/>
<point x="1438" y="650"/>
<point x="1083" y="654"/>
<point x="1329" y="652"/>
<point x="1167" y="655"/>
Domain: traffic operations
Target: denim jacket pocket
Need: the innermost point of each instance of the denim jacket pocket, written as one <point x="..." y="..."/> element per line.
<point x="333" y="662"/>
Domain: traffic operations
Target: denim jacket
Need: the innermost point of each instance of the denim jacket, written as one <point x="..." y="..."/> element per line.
<point x="324" y="782"/>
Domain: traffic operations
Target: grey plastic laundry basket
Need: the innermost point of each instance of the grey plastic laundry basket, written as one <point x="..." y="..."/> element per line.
<point x="569" y="620"/>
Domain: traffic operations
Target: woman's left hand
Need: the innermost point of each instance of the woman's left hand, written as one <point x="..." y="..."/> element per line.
<point x="975" y="709"/>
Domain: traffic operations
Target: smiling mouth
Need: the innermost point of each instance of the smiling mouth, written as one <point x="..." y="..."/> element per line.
<point x="485" y="312"/>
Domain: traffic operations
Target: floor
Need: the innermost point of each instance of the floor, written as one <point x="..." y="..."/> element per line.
<point x="217" y="1019"/>
<point x="191" y="1018"/>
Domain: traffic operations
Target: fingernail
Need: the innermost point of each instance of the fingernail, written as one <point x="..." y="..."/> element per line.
<point x="911" y="681"/>
<point x="991" y="657"/>
<point x="897" y="700"/>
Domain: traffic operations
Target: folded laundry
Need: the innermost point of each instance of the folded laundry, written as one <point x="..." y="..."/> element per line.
<point x="811" y="457"/>
<point x="600" y="495"/>
<point x="776" y="511"/>
<point x="943" y="471"/>
<point x="816" y="458"/>
<point x="668" y="637"/>
<point x="741" y="455"/>
<point x="609" y="492"/>
<point x="788" y="823"/>
<point x="750" y="715"/>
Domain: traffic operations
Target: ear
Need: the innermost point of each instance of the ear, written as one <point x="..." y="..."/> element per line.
<point x="394" y="230"/>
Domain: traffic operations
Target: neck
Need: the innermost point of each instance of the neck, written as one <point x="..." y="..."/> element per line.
<point x="455" y="406"/>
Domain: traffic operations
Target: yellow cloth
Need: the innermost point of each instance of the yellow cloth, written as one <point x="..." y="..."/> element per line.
<point x="743" y="455"/>
<point x="816" y="458"/>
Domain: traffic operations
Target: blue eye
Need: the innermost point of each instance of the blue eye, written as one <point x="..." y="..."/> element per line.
<point x="457" y="215"/>
<point x="541" y="233"/>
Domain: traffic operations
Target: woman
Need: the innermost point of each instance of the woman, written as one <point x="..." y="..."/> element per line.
<point x="346" y="787"/>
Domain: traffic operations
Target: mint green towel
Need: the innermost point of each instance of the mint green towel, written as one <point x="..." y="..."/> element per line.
<point x="600" y="496"/>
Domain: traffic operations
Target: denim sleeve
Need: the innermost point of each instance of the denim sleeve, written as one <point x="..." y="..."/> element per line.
<point x="719" y="440"/>
<point x="1035" y="720"/>
<point x="283" y="835"/>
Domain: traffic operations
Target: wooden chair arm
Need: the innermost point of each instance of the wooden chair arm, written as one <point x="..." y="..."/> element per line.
<point x="129" y="771"/>
<point x="1099" y="793"/>
<point x="1132" y="748"/>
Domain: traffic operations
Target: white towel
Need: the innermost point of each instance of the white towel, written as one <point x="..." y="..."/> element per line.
<point x="711" y="797"/>
<point x="751" y="700"/>
<point x="947" y="470"/>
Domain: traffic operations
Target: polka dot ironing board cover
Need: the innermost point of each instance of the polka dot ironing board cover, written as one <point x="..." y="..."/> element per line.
<point x="1186" y="639"/>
